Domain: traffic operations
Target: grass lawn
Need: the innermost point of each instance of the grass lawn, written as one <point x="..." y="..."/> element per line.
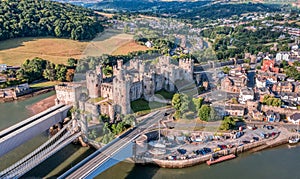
<point x="44" y="84"/>
<point x="96" y="100"/>
<point x="142" y="106"/>
<point x="186" y="87"/>
<point x="58" y="50"/>
<point x="165" y="94"/>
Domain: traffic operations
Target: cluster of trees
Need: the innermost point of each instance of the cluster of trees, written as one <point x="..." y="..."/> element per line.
<point x="230" y="43"/>
<point x="182" y="104"/>
<point x="155" y="8"/>
<point x="291" y="71"/>
<point x="161" y="45"/>
<point x="189" y="108"/>
<point x="38" y="68"/>
<point x="209" y="113"/>
<point x="109" y="130"/>
<point x="31" y="18"/>
<point x="272" y="101"/>
<point x="187" y="10"/>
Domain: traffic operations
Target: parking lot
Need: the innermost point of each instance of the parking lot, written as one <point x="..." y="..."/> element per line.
<point x="203" y="143"/>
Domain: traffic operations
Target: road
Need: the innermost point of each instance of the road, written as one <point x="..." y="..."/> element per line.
<point x="115" y="146"/>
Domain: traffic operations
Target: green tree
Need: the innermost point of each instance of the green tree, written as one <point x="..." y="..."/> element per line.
<point x="176" y="101"/>
<point x="105" y="129"/>
<point x="50" y="72"/>
<point x="181" y="102"/>
<point x="228" y="123"/>
<point x="197" y="102"/>
<point x="226" y="69"/>
<point x="61" y="72"/>
<point x="105" y="139"/>
<point x="72" y="62"/>
<point x="204" y="112"/>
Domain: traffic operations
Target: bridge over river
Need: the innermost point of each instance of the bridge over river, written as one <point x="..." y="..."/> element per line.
<point x="114" y="152"/>
<point x="21" y="132"/>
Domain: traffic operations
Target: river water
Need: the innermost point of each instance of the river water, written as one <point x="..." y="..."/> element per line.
<point x="281" y="162"/>
<point x="14" y="112"/>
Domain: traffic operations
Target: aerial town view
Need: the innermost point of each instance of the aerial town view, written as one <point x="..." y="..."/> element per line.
<point x="149" y="89"/>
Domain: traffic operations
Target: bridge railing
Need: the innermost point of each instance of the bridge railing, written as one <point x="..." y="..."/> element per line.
<point x="27" y="165"/>
<point x="42" y="157"/>
<point x="50" y="144"/>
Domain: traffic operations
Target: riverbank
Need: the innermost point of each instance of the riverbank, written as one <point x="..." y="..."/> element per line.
<point x="42" y="105"/>
<point x="184" y="161"/>
<point x="34" y="92"/>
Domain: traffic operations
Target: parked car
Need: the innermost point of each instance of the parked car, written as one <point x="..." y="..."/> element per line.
<point x="181" y="151"/>
<point x="208" y="150"/>
<point x="246" y="141"/>
<point x="217" y="149"/>
<point x="222" y="147"/>
<point x="239" y="134"/>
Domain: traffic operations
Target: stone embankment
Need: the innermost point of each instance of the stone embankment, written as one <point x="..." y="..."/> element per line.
<point x="27" y="95"/>
<point x="253" y="147"/>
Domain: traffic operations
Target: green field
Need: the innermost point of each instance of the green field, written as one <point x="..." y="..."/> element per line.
<point x="44" y="84"/>
<point x="142" y="106"/>
<point x="164" y="94"/>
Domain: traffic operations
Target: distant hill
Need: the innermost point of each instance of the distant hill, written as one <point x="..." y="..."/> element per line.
<point x="185" y="10"/>
<point x="32" y="18"/>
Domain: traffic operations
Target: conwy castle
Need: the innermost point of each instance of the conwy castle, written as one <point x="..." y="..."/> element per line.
<point x="135" y="80"/>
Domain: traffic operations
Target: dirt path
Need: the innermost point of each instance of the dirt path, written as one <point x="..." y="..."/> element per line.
<point x="42" y="105"/>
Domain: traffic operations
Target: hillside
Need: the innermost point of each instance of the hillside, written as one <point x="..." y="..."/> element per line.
<point x="32" y="18"/>
<point x="185" y="9"/>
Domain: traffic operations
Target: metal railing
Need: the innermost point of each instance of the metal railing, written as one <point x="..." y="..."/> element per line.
<point x="54" y="144"/>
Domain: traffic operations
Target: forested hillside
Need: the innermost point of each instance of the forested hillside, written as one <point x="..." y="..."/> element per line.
<point x="46" y="18"/>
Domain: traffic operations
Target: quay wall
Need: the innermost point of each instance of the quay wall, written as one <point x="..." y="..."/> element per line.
<point x="263" y="144"/>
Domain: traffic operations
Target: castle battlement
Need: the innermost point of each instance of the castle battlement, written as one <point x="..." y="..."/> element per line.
<point x="139" y="79"/>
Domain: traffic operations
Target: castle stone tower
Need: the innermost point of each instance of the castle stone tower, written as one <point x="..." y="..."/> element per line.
<point x="149" y="84"/>
<point x="118" y="67"/>
<point x="188" y="66"/>
<point x="121" y="93"/>
<point x="93" y="83"/>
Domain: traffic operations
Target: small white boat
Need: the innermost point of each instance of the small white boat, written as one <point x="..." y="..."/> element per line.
<point x="294" y="140"/>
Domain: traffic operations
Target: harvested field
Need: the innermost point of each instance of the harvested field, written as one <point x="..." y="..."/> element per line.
<point x="16" y="51"/>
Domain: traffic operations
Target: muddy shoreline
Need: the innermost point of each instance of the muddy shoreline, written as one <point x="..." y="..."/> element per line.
<point x="42" y="105"/>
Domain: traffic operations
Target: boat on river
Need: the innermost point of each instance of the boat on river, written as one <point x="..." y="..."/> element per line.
<point x="294" y="140"/>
